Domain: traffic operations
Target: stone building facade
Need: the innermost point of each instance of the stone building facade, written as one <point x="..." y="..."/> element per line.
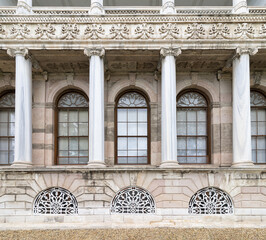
<point x="133" y="116"/>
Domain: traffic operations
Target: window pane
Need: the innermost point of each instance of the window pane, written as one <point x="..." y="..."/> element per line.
<point x="254" y="142"/>
<point x="122" y="115"/>
<point x="63" y="129"/>
<point x="261" y="115"/>
<point x="142" y="160"/>
<point x="73" y="129"/>
<point x="181" y="116"/>
<point x="73" y="116"/>
<point x="83" y="144"/>
<point x="122" y="160"/>
<point x="3" y="144"/>
<point x="142" y="129"/>
<point x="73" y="153"/>
<point x="182" y="159"/>
<point x="12" y="116"/>
<point x="254" y="159"/>
<point x="83" y="116"/>
<point x="254" y="128"/>
<point x="191" y="129"/>
<point x="261" y="157"/>
<point x="11" y="143"/>
<point x="191" y="115"/>
<point x="142" y="143"/>
<point x="201" y="159"/>
<point x="181" y="128"/>
<point x="83" y="153"/>
<point x="132" y="153"/>
<point x="142" y="153"/>
<point x="3" y="157"/>
<point x="261" y="143"/>
<point x="132" y="143"/>
<point x="122" y="129"/>
<point x="253" y="115"/>
<point x="132" y="160"/>
<point x="11" y="129"/>
<point x="202" y="129"/>
<point x="181" y="152"/>
<point x="63" y="153"/>
<point x="122" y="153"/>
<point x="3" y="129"/>
<point x="63" y="144"/>
<point x="11" y="156"/>
<point x="132" y="129"/>
<point x="132" y="115"/>
<point x="122" y="143"/>
<point x="63" y="160"/>
<point x="142" y="115"/>
<point x="181" y="143"/>
<point x="73" y="160"/>
<point x="202" y="115"/>
<point x="3" y="116"/>
<point x="83" y="160"/>
<point x="83" y="129"/>
<point x="191" y="143"/>
<point x="201" y="143"/>
<point x="73" y="143"/>
<point x="63" y="116"/>
<point x="261" y="128"/>
<point x="201" y="153"/>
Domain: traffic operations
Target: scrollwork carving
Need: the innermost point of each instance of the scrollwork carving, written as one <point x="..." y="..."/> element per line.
<point x="144" y="31"/>
<point x="119" y="31"/>
<point x="45" y="31"/>
<point x="94" y="52"/>
<point x="18" y="51"/>
<point x="20" y="31"/>
<point x="169" y="30"/>
<point x="94" y="32"/>
<point x="69" y="31"/>
<point x="195" y="30"/>
<point x="250" y="51"/>
<point x="219" y="31"/>
<point x="170" y="52"/>
<point x="244" y="30"/>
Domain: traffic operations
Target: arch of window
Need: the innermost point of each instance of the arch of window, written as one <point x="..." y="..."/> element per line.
<point x="55" y="200"/>
<point x="7" y="128"/>
<point x="132" y="129"/>
<point x="72" y="129"/>
<point x="133" y="200"/>
<point x="192" y="128"/>
<point x="210" y="200"/>
<point x="258" y="126"/>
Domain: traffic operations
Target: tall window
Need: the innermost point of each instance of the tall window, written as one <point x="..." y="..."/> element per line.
<point x="132" y="131"/>
<point x="192" y="128"/>
<point x="72" y="138"/>
<point x="258" y="126"/>
<point x="7" y="128"/>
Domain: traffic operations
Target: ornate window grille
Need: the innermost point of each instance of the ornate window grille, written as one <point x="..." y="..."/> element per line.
<point x="132" y="129"/>
<point x="258" y="127"/>
<point x="210" y="200"/>
<point x="133" y="200"/>
<point x="192" y="128"/>
<point x="7" y="128"/>
<point x="55" y="201"/>
<point x="72" y="134"/>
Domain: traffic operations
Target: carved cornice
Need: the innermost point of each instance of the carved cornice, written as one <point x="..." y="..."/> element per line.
<point x="170" y="52"/>
<point x="18" y="51"/>
<point x="94" y="52"/>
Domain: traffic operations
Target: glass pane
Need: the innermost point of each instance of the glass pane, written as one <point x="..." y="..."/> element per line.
<point x="3" y="143"/>
<point x="191" y="160"/>
<point x="122" y="129"/>
<point x="181" y="128"/>
<point x="261" y="115"/>
<point x="3" y="157"/>
<point x="191" y="115"/>
<point x="73" y="153"/>
<point x="202" y="160"/>
<point x="261" y="142"/>
<point x="132" y="143"/>
<point x="122" y="115"/>
<point x="3" y="116"/>
<point x="73" y="116"/>
<point x="254" y="142"/>
<point x="201" y="143"/>
<point x="253" y="115"/>
<point x="3" y="129"/>
<point x="132" y="160"/>
<point x="83" y="153"/>
<point x="142" y="153"/>
<point x="63" y="116"/>
<point x="132" y="115"/>
<point x="142" y="115"/>
<point x="11" y="143"/>
<point x="122" y="160"/>
<point x="122" y="153"/>
<point x="142" y="129"/>
<point x="254" y="159"/>
<point x="83" y="160"/>
<point x="202" y="115"/>
<point x="132" y="129"/>
<point x="83" y="116"/>
<point x="191" y="153"/>
<point x="73" y="160"/>
<point x="191" y="129"/>
<point x="122" y="143"/>
<point x="182" y="159"/>
<point x="11" y="156"/>
<point x="63" y="153"/>
<point x="181" y="143"/>
<point x="201" y="153"/>
<point x="142" y="160"/>
<point x="191" y="143"/>
<point x="142" y="143"/>
<point x="73" y="129"/>
<point x="132" y="153"/>
<point x="63" y="144"/>
<point x="181" y="116"/>
<point x="181" y="152"/>
<point x="261" y="157"/>
<point x="202" y="129"/>
<point x="261" y="129"/>
<point x="83" y="129"/>
<point x="12" y="116"/>
<point x="11" y="129"/>
<point x="63" y="129"/>
<point x="254" y="128"/>
<point x="73" y="143"/>
<point x="63" y="160"/>
<point x="83" y="144"/>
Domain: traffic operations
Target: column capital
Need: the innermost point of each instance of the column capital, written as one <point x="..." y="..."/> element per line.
<point x="250" y="51"/>
<point x="94" y="52"/>
<point x="170" y="52"/>
<point x="13" y="52"/>
<point x="168" y="7"/>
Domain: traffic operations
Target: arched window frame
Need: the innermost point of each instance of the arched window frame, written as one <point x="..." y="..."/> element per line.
<point x="9" y="137"/>
<point x="56" y="122"/>
<point x="148" y="127"/>
<point x="252" y="108"/>
<point x="208" y="123"/>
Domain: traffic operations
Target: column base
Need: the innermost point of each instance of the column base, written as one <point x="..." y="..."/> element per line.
<point x="169" y="164"/>
<point x="21" y="164"/>
<point x="96" y="165"/>
<point x="243" y="164"/>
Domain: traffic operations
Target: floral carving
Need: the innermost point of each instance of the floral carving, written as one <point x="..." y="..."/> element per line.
<point x="219" y="31"/>
<point x="2" y="30"/>
<point x="262" y="30"/>
<point x="69" y="31"/>
<point x="132" y="99"/>
<point x="73" y="100"/>
<point x="7" y="101"/>
<point x="244" y="31"/>
<point x="195" y="31"/>
<point x="119" y="31"/>
<point x="169" y="30"/>
<point x="191" y="99"/>
<point x="20" y="31"/>
<point x="45" y="31"/>
<point x="144" y="31"/>
<point x="94" y="32"/>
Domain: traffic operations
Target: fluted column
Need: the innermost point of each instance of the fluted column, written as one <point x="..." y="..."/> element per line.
<point x="241" y="108"/>
<point x="97" y="7"/>
<point x="168" y="7"/>
<point x="168" y="115"/>
<point x="24" y="7"/>
<point x="23" y="107"/>
<point x="240" y="6"/>
<point x="96" y="111"/>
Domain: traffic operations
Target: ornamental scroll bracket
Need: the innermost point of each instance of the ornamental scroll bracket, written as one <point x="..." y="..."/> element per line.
<point x="170" y="52"/>
<point x="94" y="52"/>
<point x="18" y="51"/>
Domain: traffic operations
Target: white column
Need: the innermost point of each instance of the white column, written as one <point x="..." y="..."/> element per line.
<point x="23" y="107"/>
<point x="241" y="108"/>
<point x="168" y="7"/>
<point x="168" y="115"/>
<point x="96" y="111"/>
<point x="97" y="7"/>
<point x="24" y="7"/>
<point x="240" y="6"/>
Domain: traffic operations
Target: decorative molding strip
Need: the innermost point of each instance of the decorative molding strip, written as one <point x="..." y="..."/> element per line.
<point x="132" y="12"/>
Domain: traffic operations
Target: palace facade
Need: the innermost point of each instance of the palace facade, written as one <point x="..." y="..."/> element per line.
<point x="128" y="116"/>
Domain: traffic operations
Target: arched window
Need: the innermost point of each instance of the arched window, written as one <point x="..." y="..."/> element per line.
<point x="7" y="128"/>
<point x="132" y="129"/>
<point x="258" y="126"/>
<point x="72" y="132"/>
<point x="55" y="201"/>
<point x="133" y="200"/>
<point x="210" y="200"/>
<point x="192" y="128"/>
